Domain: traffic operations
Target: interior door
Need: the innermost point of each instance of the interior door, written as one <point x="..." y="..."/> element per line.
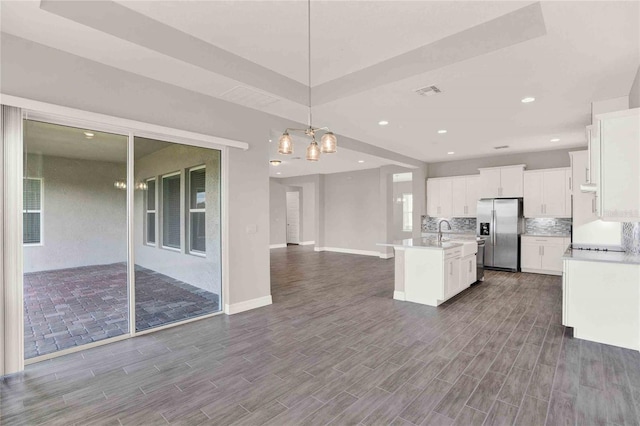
<point x="293" y="217"/>
<point x="505" y="250"/>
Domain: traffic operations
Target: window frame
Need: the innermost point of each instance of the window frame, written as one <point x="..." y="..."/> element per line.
<point x="40" y="211"/>
<point x="188" y="221"/>
<point x="405" y="196"/>
<point x="179" y="248"/>
<point x="154" y="211"/>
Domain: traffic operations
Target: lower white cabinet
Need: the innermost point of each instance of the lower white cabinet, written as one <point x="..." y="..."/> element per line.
<point x="451" y="277"/>
<point x="468" y="271"/>
<point x="542" y="255"/>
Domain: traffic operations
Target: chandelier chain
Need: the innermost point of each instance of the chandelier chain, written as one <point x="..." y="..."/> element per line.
<point x="309" y="55"/>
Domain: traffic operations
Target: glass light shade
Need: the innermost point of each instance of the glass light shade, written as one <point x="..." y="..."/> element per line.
<point x="328" y="143"/>
<point x="313" y="151"/>
<point x="285" y="144"/>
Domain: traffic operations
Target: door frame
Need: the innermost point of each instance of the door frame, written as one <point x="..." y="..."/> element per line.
<point x="56" y="114"/>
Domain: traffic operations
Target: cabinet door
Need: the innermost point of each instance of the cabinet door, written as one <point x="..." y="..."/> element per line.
<point x="552" y="257"/>
<point x="511" y="182"/>
<point x="446" y="198"/>
<point x="467" y="271"/>
<point x="433" y="197"/>
<point x="553" y="193"/>
<point x="489" y="183"/>
<point x="533" y="187"/>
<point x="451" y="277"/>
<point x="459" y="194"/>
<point x="473" y="191"/>
<point x="568" y="189"/>
<point x="530" y="256"/>
<point x="620" y="161"/>
<point x="582" y="202"/>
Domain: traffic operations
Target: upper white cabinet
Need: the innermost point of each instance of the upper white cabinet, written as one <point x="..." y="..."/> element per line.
<point x="452" y="197"/>
<point x="619" y="188"/>
<point x="440" y="197"/>
<point x="465" y="196"/>
<point x="584" y="203"/>
<point x="547" y="193"/>
<point x="502" y="182"/>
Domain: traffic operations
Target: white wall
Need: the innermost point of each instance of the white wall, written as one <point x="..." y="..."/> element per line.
<point x="201" y="272"/>
<point x="634" y="93"/>
<point x="277" y="213"/>
<point x="84" y="215"/>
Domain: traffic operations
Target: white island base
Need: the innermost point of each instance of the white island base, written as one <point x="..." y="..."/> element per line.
<point x="430" y="273"/>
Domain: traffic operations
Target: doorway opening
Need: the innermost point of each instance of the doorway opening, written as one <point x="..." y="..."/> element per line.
<point x="293" y="217"/>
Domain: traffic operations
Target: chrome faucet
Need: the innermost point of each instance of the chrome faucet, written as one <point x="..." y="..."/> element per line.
<point x="440" y="229"/>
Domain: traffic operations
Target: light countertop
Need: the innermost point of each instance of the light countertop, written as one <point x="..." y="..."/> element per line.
<point x="422" y="243"/>
<point x="602" y="256"/>
<point x="547" y="235"/>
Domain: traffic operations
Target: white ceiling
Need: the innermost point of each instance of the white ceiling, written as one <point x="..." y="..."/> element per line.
<point x="590" y="51"/>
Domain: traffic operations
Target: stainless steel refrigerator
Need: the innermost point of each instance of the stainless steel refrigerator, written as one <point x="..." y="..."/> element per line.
<point x="500" y="223"/>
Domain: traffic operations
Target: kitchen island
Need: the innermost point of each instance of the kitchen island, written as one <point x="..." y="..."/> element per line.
<point x="430" y="272"/>
<point x="601" y="296"/>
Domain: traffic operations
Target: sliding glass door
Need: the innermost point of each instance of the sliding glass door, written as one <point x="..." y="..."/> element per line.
<point x="74" y="237"/>
<point x="177" y="232"/>
<point x="107" y="238"/>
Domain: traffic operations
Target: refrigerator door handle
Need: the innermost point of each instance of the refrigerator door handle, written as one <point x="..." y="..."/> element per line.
<point x="493" y="225"/>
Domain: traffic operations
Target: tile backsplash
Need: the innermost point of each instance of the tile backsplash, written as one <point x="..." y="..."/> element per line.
<point x="631" y="237"/>
<point x="430" y="224"/>
<point x="547" y="226"/>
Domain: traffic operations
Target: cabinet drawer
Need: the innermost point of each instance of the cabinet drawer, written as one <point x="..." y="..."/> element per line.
<point x="452" y="253"/>
<point x="544" y="241"/>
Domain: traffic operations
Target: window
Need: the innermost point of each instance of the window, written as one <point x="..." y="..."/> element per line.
<point x="407" y="212"/>
<point x="32" y="211"/>
<point x="171" y="211"/>
<point x="197" y="206"/>
<point x="150" y="208"/>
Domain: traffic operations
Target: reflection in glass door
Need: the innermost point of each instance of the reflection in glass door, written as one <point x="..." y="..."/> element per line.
<point x="74" y="236"/>
<point x="176" y="232"/>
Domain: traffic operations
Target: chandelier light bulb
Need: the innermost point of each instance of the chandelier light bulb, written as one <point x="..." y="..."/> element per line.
<point x="313" y="151"/>
<point x="328" y="143"/>
<point x="285" y="144"/>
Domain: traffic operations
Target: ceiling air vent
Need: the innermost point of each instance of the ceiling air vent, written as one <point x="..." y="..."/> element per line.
<point x="427" y="91"/>
<point x="249" y="97"/>
<point x="501" y="147"/>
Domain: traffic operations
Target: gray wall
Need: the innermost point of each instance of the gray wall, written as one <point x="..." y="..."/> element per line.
<point x="34" y="71"/>
<point x="277" y="213"/>
<point x="634" y="94"/>
<point x="202" y="272"/>
<point x="352" y="210"/>
<point x="533" y="160"/>
<point x="84" y="215"/>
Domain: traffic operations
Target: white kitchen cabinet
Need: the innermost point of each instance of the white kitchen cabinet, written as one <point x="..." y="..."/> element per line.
<point x="502" y="182"/>
<point x="465" y="196"/>
<point x="583" y="203"/>
<point x="546" y="193"/>
<point x="451" y="277"/>
<point x="600" y="300"/>
<point x="439" y="197"/>
<point x="542" y="255"/>
<point x="468" y="271"/>
<point x="619" y="187"/>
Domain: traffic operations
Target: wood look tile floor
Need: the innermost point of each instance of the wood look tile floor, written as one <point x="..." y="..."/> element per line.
<point x="335" y="348"/>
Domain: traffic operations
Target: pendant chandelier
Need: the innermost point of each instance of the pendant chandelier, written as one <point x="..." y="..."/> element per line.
<point x="328" y="141"/>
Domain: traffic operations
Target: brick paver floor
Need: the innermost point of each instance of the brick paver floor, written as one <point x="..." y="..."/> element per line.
<point x="70" y="307"/>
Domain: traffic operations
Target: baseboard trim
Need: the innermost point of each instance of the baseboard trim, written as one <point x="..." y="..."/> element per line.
<point x="349" y="251"/>
<point x="247" y="305"/>
<point x="273" y="246"/>
<point x="399" y="295"/>
<point x="541" y="271"/>
<point x="307" y="243"/>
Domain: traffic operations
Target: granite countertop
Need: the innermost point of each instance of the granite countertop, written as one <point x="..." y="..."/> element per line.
<point x="422" y="243"/>
<point x="450" y="232"/>
<point x="602" y="256"/>
<point x="547" y="235"/>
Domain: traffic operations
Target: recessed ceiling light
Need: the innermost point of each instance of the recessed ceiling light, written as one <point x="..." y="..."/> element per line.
<point x="275" y="162"/>
<point x="270" y="140"/>
<point x="89" y="135"/>
<point x="442" y="131"/>
<point x="527" y="100"/>
<point x="450" y="153"/>
<point x="360" y="161"/>
<point x="555" y="140"/>
<point x="278" y="173"/>
<point x="383" y="122"/>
